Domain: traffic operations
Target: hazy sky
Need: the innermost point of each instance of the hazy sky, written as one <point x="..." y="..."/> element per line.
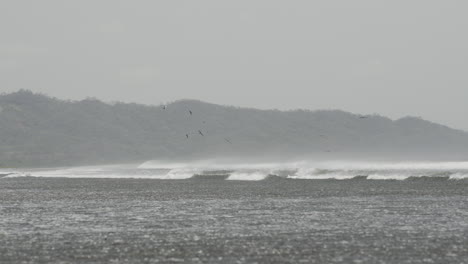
<point x="395" y="57"/>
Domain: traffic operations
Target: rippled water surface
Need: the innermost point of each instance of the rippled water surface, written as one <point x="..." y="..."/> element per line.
<point x="206" y="220"/>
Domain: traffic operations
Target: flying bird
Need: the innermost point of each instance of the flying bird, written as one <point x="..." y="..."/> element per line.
<point x="164" y="107"/>
<point x="190" y="112"/>
<point x="199" y="132"/>
<point x="186" y="135"/>
<point x="363" y="117"/>
<point x="228" y="141"/>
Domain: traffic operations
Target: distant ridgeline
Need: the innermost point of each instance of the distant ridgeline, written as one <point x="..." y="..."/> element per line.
<point x="36" y="130"/>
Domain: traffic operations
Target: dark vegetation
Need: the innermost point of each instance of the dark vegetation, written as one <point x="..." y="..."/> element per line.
<point x="36" y="130"/>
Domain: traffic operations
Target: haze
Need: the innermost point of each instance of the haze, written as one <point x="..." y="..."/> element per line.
<point x="395" y="58"/>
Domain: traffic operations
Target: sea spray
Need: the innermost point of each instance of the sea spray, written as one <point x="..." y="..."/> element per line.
<point x="243" y="171"/>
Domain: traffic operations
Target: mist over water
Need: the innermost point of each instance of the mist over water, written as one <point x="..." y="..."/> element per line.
<point x="251" y="171"/>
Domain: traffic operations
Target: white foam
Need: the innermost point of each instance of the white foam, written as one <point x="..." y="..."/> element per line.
<point x="248" y="176"/>
<point x="320" y="170"/>
<point x="105" y="172"/>
<point x="399" y="177"/>
<point x="180" y="174"/>
<point x="458" y="176"/>
<point x="321" y="174"/>
<point x="90" y="176"/>
<point x="339" y="165"/>
<point x="324" y="176"/>
<point x="340" y="170"/>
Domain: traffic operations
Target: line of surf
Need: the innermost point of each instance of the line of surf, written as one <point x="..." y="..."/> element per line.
<point x="305" y="170"/>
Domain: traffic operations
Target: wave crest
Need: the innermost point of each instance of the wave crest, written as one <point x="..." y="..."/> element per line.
<point x="248" y="176"/>
<point x="258" y="171"/>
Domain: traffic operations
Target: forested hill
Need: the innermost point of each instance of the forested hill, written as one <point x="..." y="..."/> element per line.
<point x="36" y="130"/>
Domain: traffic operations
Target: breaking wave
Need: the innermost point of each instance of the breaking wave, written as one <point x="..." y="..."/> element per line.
<point x="248" y="176"/>
<point x="459" y="176"/>
<point x="258" y="171"/>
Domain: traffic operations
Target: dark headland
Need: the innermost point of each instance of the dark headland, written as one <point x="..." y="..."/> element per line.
<point x="37" y="130"/>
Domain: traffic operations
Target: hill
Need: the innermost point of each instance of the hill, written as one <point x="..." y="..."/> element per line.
<point x="36" y="130"/>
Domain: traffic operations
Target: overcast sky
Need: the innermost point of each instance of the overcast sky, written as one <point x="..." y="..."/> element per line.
<point x="395" y="57"/>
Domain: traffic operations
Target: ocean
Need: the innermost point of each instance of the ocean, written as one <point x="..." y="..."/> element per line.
<point x="211" y="212"/>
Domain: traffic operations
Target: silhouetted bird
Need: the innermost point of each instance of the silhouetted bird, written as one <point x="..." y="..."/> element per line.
<point x="186" y="135"/>
<point x="199" y="132"/>
<point x="164" y="107"/>
<point x="363" y="117"/>
<point x="228" y="141"/>
<point x="190" y="111"/>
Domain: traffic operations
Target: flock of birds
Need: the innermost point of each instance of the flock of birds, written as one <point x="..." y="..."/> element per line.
<point x="187" y="135"/>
